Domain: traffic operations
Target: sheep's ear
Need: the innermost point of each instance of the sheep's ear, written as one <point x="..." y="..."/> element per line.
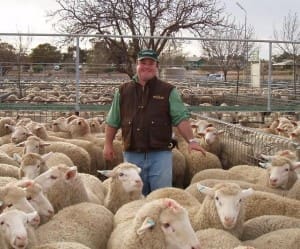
<point x="47" y="156"/>
<point x="71" y="173"/>
<point x="148" y="223"/>
<point x="22" y="144"/>
<point x="25" y="183"/>
<point x="246" y="192"/>
<point x="43" y="144"/>
<point x="107" y="173"/>
<point x="17" y="157"/>
<point x="264" y="165"/>
<point x="266" y="157"/>
<point x="205" y="190"/>
<point x="169" y="203"/>
<point x="220" y="132"/>
<point x="33" y="218"/>
<point x="296" y="165"/>
<point x="10" y="127"/>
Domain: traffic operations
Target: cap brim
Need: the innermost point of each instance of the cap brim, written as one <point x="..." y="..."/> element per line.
<point x="147" y="57"/>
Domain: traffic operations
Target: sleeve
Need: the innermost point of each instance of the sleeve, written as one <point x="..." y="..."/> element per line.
<point x="178" y="110"/>
<point x="113" y="118"/>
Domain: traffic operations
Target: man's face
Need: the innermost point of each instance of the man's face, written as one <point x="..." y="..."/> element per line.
<point x="146" y="69"/>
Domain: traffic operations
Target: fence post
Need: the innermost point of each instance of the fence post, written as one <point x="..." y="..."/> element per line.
<point x="77" y="107"/>
<point x="270" y="78"/>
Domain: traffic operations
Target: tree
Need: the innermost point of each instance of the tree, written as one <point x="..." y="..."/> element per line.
<point x="290" y="31"/>
<point x="228" y="54"/>
<point x="136" y="18"/>
<point x="7" y="57"/>
<point x="44" y="54"/>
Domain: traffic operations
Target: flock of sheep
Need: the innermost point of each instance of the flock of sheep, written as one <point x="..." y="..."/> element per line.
<point x="57" y="191"/>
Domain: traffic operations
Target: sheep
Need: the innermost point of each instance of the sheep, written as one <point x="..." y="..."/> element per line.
<point x="210" y="140"/>
<point x="4" y="129"/>
<point x="14" y="229"/>
<point x="9" y="170"/>
<point x="86" y="223"/>
<point x="124" y="185"/>
<point x="128" y="211"/>
<point x="61" y="245"/>
<point x="192" y="189"/>
<point x="178" y="168"/>
<point x="279" y="239"/>
<point x="32" y="165"/>
<point x="14" y="197"/>
<point x="263" y="203"/>
<point x="6" y="159"/>
<point x="222" y="208"/>
<point x="161" y="223"/>
<point x="217" y="238"/>
<point x="280" y="174"/>
<point x="260" y="225"/>
<point x="94" y="151"/>
<point x="182" y="197"/>
<point x="64" y="187"/>
<point x="36" y="197"/>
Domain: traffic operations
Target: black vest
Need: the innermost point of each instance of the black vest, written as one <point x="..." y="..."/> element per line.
<point x="145" y="115"/>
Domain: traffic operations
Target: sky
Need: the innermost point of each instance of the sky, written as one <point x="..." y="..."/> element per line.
<point x="22" y="16"/>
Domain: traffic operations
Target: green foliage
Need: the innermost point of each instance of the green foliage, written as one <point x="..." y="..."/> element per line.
<point x="37" y="68"/>
<point x="45" y="53"/>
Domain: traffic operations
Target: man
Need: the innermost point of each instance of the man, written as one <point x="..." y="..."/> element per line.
<point x="145" y="109"/>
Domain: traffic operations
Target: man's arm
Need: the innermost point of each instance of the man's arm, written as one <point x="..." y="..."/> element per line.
<point x="185" y="129"/>
<point x="108" y="150"/>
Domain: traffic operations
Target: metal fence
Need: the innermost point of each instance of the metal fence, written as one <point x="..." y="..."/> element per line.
<point x="243" y="145"/>
<point x="268" y="90"/>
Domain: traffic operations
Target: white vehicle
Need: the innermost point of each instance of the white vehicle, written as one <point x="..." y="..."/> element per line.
<point x="215" y="76"/>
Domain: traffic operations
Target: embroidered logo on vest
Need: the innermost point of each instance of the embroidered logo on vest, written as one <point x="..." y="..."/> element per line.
<point x="158" y="97"/>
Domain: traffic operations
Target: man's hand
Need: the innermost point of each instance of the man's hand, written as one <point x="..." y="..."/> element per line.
<point x="108" y="152"/>
<point x="196" y="146"/>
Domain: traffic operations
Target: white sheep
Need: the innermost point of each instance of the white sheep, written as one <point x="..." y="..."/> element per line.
<point x="6" y="159"/>
<point x="217" y="238"/>
<point x="123" y="185"/>
<point x="161" y="223"/>
<point x="4" y="130"/>
<point x="261" y="225"/>
<point x="61" y="245"/>
<point x="86" y="223"/>
<point x="192" y="189"/>
<point x="14" y="230"/>
<point x="279" y="175"/>
<point x="264" y="203"/>
<point x="279" y="239"/>
<point x="64" y="187"/>
<point x="9" y="170"/>
<point x="222" y="208"/>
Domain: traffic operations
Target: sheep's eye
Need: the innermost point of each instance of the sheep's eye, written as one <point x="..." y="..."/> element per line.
<point x="53" y="177"/>
<point x="2" y="223"/>
<point x="217" y="198"/>
<point x="286" y="169"/>
<point x="121" y="174"/>
<point x="29" y="198"/>
<point x="9" y="205"/>
<point x="166" y="225"/>
<point x="38" y="166"/>
<point x="240" y="200"/>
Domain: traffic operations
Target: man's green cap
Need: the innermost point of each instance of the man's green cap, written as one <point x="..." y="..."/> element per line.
<point x="147" y="54"/>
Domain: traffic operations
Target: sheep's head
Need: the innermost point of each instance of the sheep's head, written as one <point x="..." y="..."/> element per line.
<point x="170" y="220"/>
<point x="36" y="197"/>
<point x="53" y="174"/>
<point x="280" y="171"/>
<point x="14" y="197"/>
<point x="228" y="199"/>
<point x="32" y="164"/>
<point x="13" y="226"/>
<point x="19" y="133"/>
<point x="128" y="175"/>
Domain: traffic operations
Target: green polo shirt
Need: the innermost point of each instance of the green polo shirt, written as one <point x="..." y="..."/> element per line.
<point x="178" y="110"/>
